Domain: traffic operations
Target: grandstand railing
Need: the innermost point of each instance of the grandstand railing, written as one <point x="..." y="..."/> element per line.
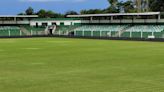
<point x="125" y="21"/>
<point x="14" y="22"/>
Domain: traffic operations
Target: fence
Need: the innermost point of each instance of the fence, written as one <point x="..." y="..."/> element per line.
<point x="20" y="33"/>
<point x="114" y="34"/>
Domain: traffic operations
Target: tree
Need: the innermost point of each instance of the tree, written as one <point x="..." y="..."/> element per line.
<point x="30" y="11"/>
<point x="91" y="11"/>
<point x="128" y="7"/>
<point x="71" y="13"/>
<point x="59" y="15"/>
<point x="157" y="5"/>
<point x="113" y="3"/>
<point x="113" y="8"/>
<point x="50" y="14"/>
<point x="142" y="5"/>
<point x="41" y="13"/>
<point x="21" y="13"/>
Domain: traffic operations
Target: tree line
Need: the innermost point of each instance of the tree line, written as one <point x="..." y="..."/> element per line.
<point x="115" y="6"/>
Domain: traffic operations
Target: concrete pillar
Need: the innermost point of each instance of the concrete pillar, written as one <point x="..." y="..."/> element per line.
<point x="130" y="34"/>
<point x="159" y="17"/>
<point x="141" y="34"/>
<point x="100" y="33"/>
<point x="83" y="33"/>
<point x="91" y="19"/>
<point x="92" y="33"/>
<point x="74" y="32"/>
<point x="111" y="18"/>
<point x="15" y="19"/>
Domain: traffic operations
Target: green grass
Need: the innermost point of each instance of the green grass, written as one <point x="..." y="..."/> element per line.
<point x="80" y="65"/>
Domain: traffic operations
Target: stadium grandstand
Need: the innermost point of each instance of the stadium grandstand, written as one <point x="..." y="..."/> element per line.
<point x="128" y="25"/>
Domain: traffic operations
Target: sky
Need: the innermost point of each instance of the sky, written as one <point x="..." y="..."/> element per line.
<point x="12" y="7"/>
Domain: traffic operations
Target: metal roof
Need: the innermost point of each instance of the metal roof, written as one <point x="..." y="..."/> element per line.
<point x="19" y="16"/>
<point x="116" y="14"/>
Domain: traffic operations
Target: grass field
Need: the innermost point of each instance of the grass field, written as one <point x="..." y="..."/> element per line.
<point x="80" y="65"/>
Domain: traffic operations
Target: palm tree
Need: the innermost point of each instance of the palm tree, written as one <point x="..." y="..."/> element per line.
<point x="142" y="5"/>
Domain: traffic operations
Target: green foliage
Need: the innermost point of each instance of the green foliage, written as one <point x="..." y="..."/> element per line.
<point x="111" y="9"/>
<point x="29" y="11"/>
<point x="42" y="13"/>
<point x="49" y="14"/>
<point x="115" y="6"/>
<point x="71" y="13"/>
<point x="21" y="14"/>
<point x="91" y="11"/>
<point x="157" y="5"/>
<point x="129" y="7"/>
<point x="113" y="3"/>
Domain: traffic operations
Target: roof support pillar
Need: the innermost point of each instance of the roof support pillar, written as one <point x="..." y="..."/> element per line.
<point x="15" y="19"/>
<point x="159" y="17"/>
<point x="111" y="18"/>
<point x="91" y="19"/>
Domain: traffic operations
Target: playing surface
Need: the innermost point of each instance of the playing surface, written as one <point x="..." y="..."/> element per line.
<point x="80" y="65"/>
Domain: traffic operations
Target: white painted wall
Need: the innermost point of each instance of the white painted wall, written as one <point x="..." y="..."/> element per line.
<point x="66" y="22"/>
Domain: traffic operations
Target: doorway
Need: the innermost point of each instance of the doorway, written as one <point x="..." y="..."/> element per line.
<point x="50" y="32"/>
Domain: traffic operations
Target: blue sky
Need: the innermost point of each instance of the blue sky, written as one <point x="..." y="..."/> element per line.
<point x="8" y="7"/>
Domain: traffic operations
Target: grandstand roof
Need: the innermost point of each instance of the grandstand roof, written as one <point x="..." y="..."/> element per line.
<point x="116" y="14"/>
<point x="19" y="16"/>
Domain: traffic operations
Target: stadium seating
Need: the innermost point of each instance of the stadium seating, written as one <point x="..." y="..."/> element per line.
<point x="99" y="30"/>
<point x="64" y="30"/>
<point x="146" y="28"/>
<point x="22" y="30"/>
<point x="29" y="30"/>
<point x="135" y="31"/>
<point x="116" y="30"/>
<point x="143" y="31"/>
<point x="9" y="31"/>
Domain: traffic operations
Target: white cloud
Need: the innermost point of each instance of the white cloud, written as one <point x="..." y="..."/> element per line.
<point x="52" y="0"/>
